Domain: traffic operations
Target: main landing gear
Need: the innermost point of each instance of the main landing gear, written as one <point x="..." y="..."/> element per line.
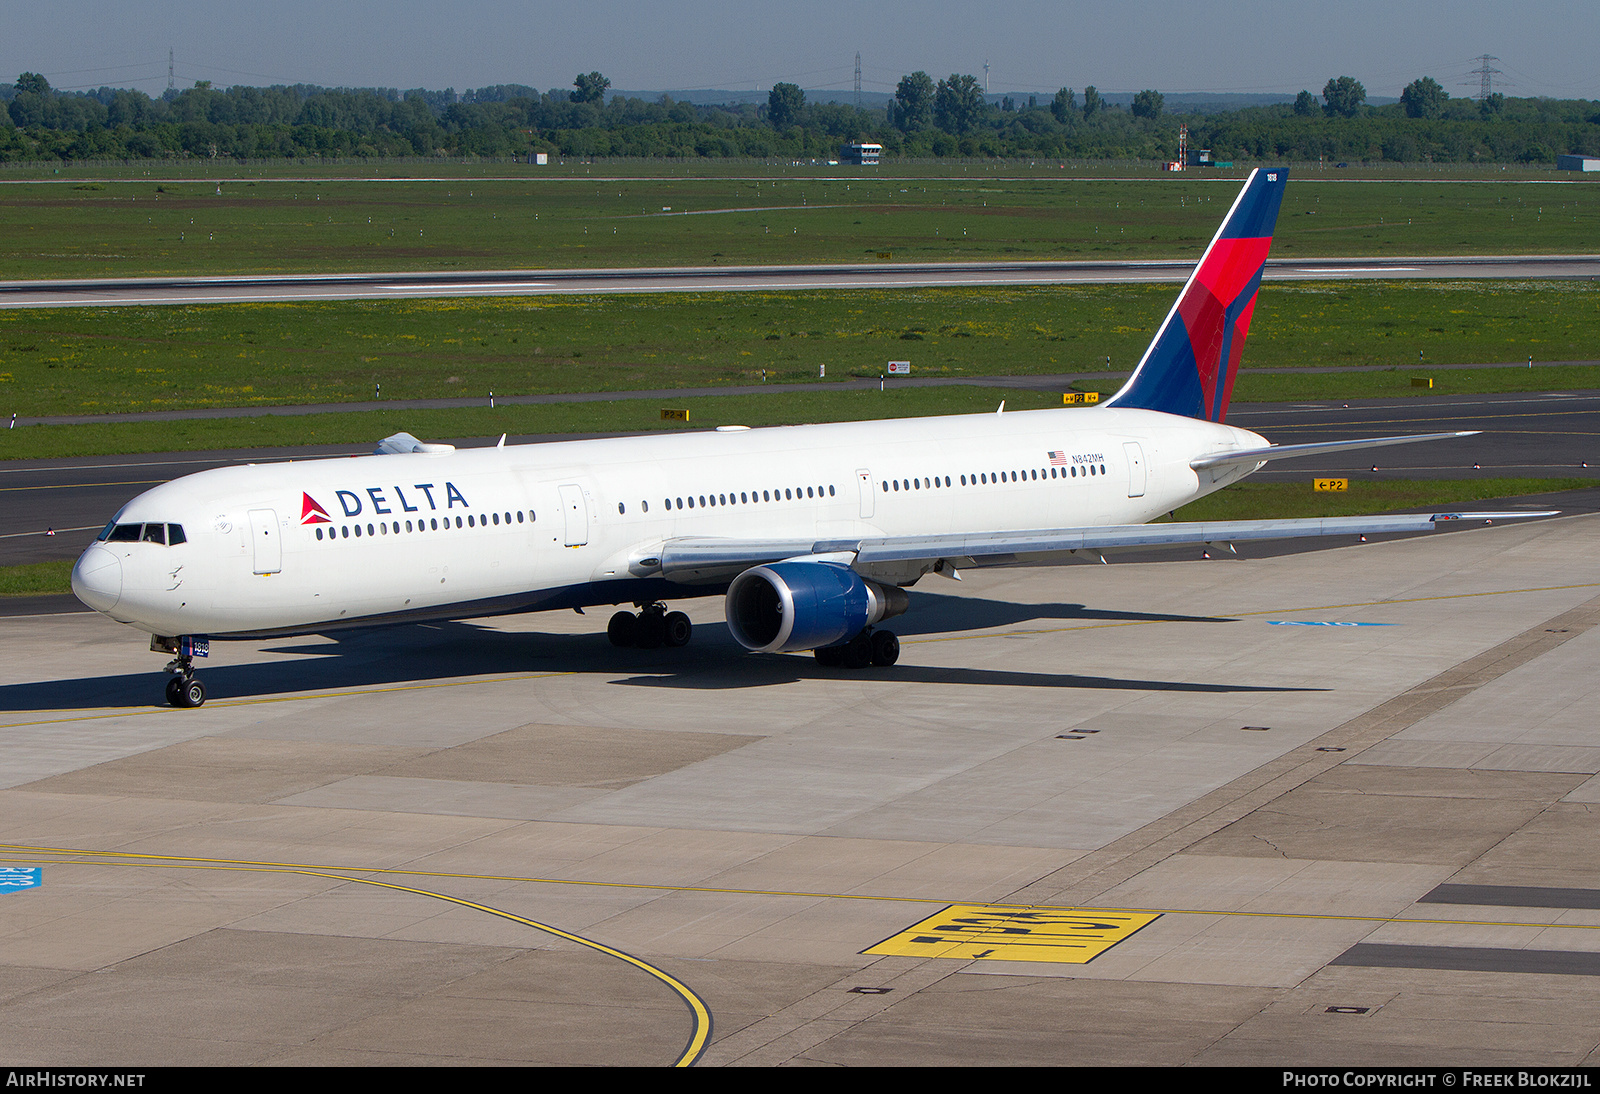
<point x="184" y="688"/>
<point x="870" y="647"/>
<point x="654" y="626"/>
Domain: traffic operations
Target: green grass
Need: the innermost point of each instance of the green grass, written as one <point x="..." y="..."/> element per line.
<point x="1246" y="501"/>
<point x="37" y="578"/>
<point x="141" y="220"/>
<point x="1389" y="384"/>
<point x="103" y="360"/>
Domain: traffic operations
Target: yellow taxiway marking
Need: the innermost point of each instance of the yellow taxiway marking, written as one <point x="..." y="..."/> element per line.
<point x="68" y="856"/>
<point x="700" y="1014"/>
<point x="984" y="932"/>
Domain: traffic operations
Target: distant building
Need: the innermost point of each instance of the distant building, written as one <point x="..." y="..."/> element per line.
<point x="539" y="158"/>
<point x="1578" y="163"/>
<point x="864" y="155"/>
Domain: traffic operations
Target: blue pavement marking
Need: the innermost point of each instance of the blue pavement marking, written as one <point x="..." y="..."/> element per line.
<point x="13" y="878"/>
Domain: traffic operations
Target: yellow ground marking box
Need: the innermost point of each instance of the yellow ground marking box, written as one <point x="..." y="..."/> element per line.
<point x="976" y="931"/>
<point x="1327" y="486"/>
<point x="1080" y="398"/>
<point x="674" y="415"/>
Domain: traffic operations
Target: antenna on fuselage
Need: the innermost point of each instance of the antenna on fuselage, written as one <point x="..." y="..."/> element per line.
<point x="1002" y="408"/>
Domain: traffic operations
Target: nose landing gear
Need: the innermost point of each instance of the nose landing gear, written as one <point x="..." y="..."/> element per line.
<point x="184" y="688"/>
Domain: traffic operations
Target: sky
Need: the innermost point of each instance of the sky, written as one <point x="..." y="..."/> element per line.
<point x="1545" y="47"/>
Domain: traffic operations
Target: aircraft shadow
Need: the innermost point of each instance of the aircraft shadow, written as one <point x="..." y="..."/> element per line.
<point x="936" y="613"/>
<point x="439" y="651"/>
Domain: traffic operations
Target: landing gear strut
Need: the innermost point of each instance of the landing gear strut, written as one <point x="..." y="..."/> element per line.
<point x="870" y="647"/>
<point x="654" y="626"/>
<point x="184" y="688"/>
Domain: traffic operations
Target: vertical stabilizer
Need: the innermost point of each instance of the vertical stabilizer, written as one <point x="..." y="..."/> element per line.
<point x="1190" y="366"/>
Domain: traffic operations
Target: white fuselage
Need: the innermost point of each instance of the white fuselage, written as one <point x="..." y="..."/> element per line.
<point x="567" y="524"/>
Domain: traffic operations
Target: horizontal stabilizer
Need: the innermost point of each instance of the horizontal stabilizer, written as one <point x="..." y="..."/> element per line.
<point x="1288" y="451"/>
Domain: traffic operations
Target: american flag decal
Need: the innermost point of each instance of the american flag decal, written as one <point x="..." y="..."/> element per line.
<point x="1058" y="459"/>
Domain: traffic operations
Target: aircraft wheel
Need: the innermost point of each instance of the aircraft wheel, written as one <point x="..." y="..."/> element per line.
<point x="652" y="630"/>
<point x="194" y="692"/>
<point x="830" y="657"/>
<point x="623" y="630"/>
<point x="175" y="691"/>
<point x="857" y="653"/>
<point x="677" y="629"/>
<point x="885" y="648"/>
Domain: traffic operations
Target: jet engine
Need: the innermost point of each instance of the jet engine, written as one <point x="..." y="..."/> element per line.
<point x="789" y="606"/>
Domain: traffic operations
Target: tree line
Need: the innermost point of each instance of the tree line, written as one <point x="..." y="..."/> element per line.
<point x="927" y="118"/>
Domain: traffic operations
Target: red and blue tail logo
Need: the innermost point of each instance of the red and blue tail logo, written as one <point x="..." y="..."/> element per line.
<point x="1190" y="366"/>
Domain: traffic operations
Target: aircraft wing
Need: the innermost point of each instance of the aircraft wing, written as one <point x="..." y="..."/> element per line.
<point x="706" y="559"/>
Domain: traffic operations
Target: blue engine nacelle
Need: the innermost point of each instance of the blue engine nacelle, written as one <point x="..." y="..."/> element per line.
<point x="803" y="605"/>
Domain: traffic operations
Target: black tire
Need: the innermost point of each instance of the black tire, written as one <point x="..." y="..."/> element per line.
<point x="623" y="630"/>
<point x="885" y="648"/>
<point x="858" y="651"/>
<point x="830" y="657"/>
<point x="652" y="631"/>
<point x="678" y="629"/>
<point x="174" y="691"/>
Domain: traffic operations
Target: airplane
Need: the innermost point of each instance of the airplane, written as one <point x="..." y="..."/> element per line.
<point x="812" y="532"/>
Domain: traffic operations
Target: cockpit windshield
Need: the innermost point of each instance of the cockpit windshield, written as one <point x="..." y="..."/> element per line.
<point x="169" y="535"/>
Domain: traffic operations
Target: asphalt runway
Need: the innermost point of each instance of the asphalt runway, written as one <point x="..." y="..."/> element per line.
<point x="256" y="288"/>
<point x="1547" y="435"/>
<point x="1335" y="808"/>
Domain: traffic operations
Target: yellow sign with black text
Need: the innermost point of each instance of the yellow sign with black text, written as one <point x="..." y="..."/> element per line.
<point x="1080" y="398"/>
<point x="668" y="415"/>
<point x="978" y="932"/>
<point x="1330" y="486"/>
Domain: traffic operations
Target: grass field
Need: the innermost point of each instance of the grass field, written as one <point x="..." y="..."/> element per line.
<point x="1246" y="501"/>
<point x="94" y="361"/>
<point x="254" y="220"/>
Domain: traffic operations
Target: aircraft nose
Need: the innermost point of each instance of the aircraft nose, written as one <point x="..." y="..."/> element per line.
<point x="97" y="579"/>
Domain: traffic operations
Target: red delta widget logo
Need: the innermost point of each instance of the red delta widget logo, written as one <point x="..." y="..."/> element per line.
<point x="353" y="503"/>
